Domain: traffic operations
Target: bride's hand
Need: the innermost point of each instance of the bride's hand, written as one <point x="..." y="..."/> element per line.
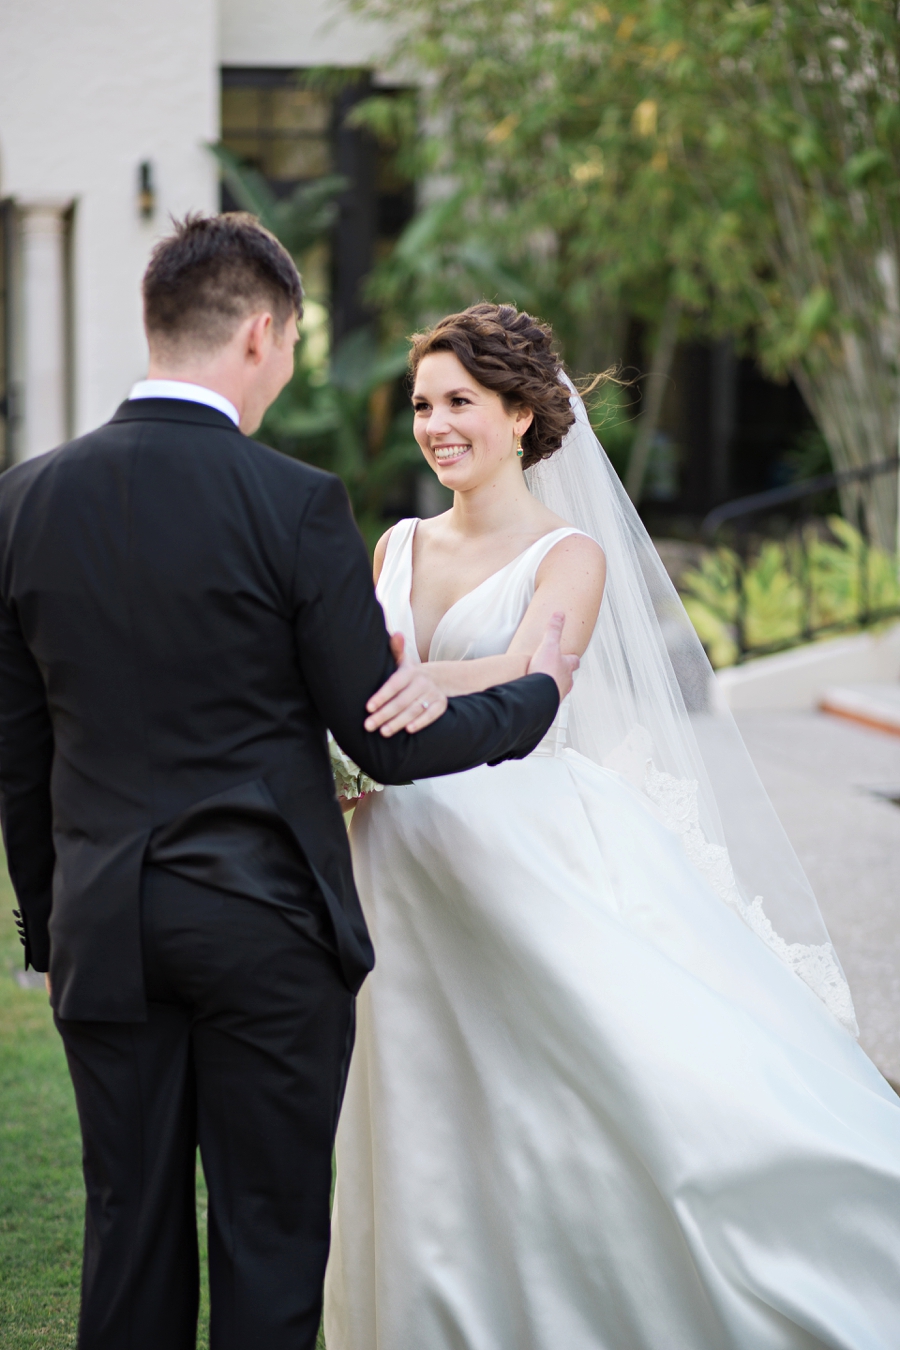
<point x="550" y="660"/>
<point x="408" y="701"/>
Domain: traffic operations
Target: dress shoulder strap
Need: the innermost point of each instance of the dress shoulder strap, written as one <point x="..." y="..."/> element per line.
<point x="399" y="546"/>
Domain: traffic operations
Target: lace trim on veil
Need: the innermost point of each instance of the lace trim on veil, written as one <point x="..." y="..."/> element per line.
<point x="676" y="800"/>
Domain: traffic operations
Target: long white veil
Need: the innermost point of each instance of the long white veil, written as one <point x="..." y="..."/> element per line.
<point x="645" y="704"/>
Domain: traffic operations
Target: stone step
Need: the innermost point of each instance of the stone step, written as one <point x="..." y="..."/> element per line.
<point x="872" y="705"/>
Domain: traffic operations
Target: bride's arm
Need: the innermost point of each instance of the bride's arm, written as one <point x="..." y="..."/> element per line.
<point x="470" y="677"/>
<point x="569" y="580"/>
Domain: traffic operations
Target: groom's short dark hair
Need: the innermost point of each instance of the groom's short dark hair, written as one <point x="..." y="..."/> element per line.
<point x="210" y="273"/>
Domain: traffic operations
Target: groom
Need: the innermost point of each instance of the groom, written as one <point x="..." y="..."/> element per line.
<point x="182" y="614"/>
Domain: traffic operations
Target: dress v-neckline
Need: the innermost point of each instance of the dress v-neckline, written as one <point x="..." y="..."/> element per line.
<point x="475" y="589"/>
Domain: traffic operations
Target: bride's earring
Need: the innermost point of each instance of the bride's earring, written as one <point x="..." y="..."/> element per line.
<point x="519" y="451"/>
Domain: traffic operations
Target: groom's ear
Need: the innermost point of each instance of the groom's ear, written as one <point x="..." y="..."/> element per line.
<point x="259" y="330"/>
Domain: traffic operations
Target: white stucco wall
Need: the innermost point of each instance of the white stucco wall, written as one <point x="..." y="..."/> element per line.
<point x="88" y="91"/>
<point x="297" y="33"/>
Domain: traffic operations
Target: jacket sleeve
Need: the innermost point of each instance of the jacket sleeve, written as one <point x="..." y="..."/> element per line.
<point x="345" y="657"/>
<point x="26" y="757"/>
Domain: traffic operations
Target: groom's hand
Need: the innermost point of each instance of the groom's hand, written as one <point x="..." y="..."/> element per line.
<point x="408" y="701"/>
<point x="549" y="659"/>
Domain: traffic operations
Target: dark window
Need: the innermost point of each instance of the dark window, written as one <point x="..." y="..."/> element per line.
<point x="293" y="129"/>
<point x="725" y="431"/>
<point x="277" y="125"/>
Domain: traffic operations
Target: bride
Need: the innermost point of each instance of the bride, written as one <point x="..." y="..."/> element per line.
<point x="605" y="1093"/>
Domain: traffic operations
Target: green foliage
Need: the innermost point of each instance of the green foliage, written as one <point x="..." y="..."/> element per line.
<point x="841" y="574"/>
<point x="299" y="220"/>
<point x="439" y="262"/>
<point x="621" y="154"/>
<point x="346" y="423"/>
<point x="338" y="411"/>
<point x="743" y="158"/>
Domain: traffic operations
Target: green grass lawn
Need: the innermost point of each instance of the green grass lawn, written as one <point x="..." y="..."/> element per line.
<point x="41" y="1196"/>
<point x="41" y="1192"/>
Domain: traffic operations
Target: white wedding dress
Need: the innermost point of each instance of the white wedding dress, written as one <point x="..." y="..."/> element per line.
<point x="588" y="1108"/>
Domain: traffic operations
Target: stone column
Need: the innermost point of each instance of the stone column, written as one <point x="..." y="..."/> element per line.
<point x="43" y="373"/>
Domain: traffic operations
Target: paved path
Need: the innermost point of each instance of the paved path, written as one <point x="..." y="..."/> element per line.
<point x="817" y="770"/>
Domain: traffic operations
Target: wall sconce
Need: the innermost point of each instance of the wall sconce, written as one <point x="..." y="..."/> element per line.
<point x="146" y="190"/>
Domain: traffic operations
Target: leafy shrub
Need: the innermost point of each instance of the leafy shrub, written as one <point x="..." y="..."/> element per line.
<point x="841" y="580"/>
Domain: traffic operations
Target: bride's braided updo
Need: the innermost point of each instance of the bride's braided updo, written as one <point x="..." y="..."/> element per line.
<point x="512" y="354"/>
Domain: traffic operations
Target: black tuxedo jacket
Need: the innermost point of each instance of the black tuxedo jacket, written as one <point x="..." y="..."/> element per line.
<point x="182" y="614"/>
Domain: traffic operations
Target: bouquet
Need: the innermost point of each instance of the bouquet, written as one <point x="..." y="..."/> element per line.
<point x="349" y="779"/>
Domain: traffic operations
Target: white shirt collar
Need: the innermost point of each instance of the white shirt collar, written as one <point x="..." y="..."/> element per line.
<point x="191" y="393"/>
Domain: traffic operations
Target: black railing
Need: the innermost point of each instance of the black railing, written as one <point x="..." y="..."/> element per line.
<point x="796" y="517"/>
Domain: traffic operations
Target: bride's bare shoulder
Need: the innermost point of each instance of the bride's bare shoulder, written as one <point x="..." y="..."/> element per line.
<point x="576" y="560"/>
<point x="579" y="545"/>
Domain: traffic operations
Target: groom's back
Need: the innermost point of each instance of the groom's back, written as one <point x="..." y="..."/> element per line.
<point x="151" y="569"/>
<point x="151" y="566"/>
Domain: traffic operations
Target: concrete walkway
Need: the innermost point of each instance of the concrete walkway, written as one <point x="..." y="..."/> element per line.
<point x="820" y="772"/>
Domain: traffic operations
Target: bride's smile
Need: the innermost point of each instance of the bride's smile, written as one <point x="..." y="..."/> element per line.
<point x="450" y="454"/>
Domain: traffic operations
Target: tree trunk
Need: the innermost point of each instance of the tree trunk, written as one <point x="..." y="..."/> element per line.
<point x="848" y="372"/>
<point x="856" y="403"/>
<point x="600" y="337"/>
<point x="663" y="354"/>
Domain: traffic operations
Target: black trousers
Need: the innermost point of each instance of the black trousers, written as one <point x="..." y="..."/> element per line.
<point x="245" y="1051"/>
